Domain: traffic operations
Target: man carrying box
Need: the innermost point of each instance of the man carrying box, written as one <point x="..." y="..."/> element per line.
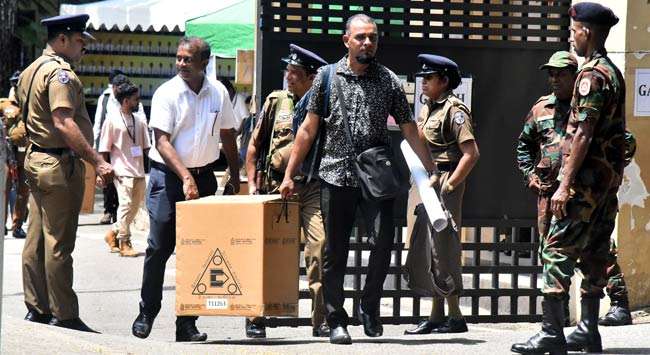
<point x="189" y="113"/>
<point x="266" y="159"/>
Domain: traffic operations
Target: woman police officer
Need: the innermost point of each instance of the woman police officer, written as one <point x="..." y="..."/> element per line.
<point x="445" y="125"/>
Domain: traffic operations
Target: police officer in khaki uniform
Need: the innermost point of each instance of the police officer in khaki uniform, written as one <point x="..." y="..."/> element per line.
<point x="266" y="159"/>
<point x="17" y="139"/>
<point x="446" y="126"/>
<point x="60" y="135"/>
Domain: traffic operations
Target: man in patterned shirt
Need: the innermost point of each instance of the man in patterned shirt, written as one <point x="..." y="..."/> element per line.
<point x="371" y="93"/>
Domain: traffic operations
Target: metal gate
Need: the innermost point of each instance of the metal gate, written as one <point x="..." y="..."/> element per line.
<point x="500" y="44"/>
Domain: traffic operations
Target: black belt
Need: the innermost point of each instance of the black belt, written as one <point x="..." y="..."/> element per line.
<point x="446" y="166"/>
<point x="193" y="171"/>
<point x="57" y="151"/>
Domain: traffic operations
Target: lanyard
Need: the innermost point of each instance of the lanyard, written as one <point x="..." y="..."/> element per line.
<point x="127" y="126"/>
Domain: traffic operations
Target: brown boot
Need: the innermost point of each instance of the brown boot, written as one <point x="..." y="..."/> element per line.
<point x="126" y="249"/>
<point x="111" y="240"/>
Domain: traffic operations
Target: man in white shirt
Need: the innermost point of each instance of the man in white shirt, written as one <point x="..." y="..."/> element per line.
<point x="124" y="141"/>
<point x="104" y="101"/>
<point x="189" y="116"/>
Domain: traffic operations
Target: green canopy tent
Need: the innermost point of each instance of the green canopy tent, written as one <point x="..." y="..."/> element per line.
<point x="226" y="30"/>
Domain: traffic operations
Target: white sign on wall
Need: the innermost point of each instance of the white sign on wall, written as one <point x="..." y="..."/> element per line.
<point x="642" y="92"/>
<point x="463" y="91"/>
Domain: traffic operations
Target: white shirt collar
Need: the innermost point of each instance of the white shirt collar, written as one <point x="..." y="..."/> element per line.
<point x="183" y="87"/>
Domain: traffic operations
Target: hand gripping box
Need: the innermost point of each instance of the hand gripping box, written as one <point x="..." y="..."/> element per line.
<point x="237" y="256"/>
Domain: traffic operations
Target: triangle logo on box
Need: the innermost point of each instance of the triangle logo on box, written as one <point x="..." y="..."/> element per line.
<point x="216" y="278"/>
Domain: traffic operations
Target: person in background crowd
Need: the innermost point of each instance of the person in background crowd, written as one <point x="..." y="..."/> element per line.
<point x="124" y="141"/>
<point x="17" y="145"/>
<point x="105" y="100"/>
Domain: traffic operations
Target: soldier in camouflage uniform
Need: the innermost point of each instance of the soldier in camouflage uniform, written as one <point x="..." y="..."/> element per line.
<point x="538" y="157"/>
<point x="538" y="150"/>
<point x="584" y="204"/>
<point x="266" y="160"/>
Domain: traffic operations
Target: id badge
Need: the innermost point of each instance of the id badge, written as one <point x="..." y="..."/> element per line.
<point x="136" y="151"/>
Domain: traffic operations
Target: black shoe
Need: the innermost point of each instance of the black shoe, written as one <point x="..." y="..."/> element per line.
<point x="371" y="324"/>
<point x="74" y="324"/>
<point x="424" y="327"/>
<point x="107" y="218"/>
<point x="452" y="326"/>
<point x="34" y="316"/>
<point x="255" y="329"/>
<point x="617" y="315"/>
<point x="322" y="331"/>
<point x="586" y="337"/>
<point x="551" y="338"/>
<point x="142" y="325"/>
<point x="188" y="332"/>
<point x="19" y="233"/>
<point x="340" y="335"/>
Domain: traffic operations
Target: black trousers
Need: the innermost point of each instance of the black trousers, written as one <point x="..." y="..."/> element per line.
<point x="339" y="206"/>
<point x="110" y="199"/>
<point x="163" y="191"/>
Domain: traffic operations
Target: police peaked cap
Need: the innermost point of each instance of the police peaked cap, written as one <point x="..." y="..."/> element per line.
<point x="444" y="66"/>
<point x="304" y="58"/>
<point x="591" y="12"/>
<point x="67" y="23"/>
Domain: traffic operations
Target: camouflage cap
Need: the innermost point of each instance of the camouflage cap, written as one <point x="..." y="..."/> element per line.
<point x="560" y="59"/>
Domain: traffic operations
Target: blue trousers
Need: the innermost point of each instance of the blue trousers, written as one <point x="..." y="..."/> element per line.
<point x="163" y="191"/>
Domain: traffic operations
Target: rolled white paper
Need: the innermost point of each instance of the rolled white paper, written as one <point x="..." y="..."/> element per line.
<point x="428" y="194"/>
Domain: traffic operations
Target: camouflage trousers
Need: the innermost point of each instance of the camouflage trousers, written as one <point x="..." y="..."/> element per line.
<point x="579" y="240"/>
<point x="616" y="288"/>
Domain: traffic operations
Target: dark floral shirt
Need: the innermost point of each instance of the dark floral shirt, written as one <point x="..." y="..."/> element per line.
<point x="370" y="98"/>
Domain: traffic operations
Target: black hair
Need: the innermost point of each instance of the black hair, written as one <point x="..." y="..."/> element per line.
<point x="360" y="17"/>
<point x="231" y="89"/>
<point x="120" y="79"/>
<point x="52" y="35"/>
<point x="202" y="46"/>
<point x="113" y="73"/>
<point x="124" y="91"/>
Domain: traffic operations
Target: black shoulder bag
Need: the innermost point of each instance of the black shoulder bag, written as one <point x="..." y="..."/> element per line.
<point x="379" y="177"/>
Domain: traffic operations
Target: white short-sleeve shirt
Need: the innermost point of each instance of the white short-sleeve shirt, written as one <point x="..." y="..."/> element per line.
<point x="193" y="120"/>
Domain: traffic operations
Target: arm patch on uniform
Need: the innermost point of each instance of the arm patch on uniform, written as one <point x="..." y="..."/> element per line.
<point x="584" y="87"/>
<point x="63" y="77"/>
<point x="459" y="117"/>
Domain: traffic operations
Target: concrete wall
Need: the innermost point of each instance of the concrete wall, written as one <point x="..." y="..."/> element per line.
<point x="634" y="216"/>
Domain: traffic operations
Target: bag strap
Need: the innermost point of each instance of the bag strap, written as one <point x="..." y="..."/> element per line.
<point x="327" y="78"/>
<point x="29" y="92"/>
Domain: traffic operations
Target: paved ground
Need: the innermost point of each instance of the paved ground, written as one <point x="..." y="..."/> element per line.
<point x="108" y="290"/>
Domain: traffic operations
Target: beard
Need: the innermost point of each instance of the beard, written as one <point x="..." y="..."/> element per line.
<point x="365" y="58"/>
<point x="135" y="108"/>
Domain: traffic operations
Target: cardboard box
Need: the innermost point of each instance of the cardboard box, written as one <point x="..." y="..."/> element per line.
<point x="237" y="256"/>
<point x="88" y="204"/>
